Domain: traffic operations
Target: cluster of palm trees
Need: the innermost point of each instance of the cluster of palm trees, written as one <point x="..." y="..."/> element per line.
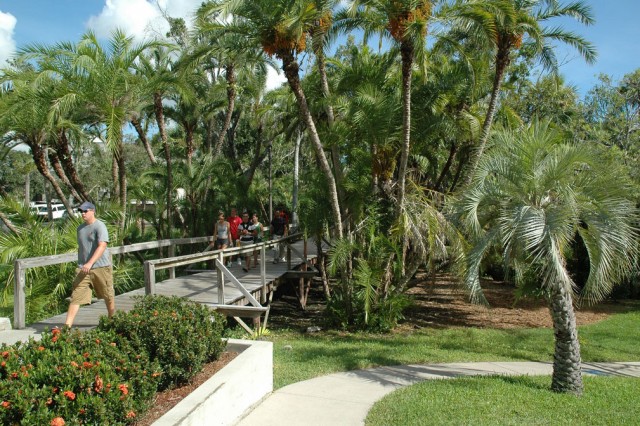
<point x="397" y="171"/>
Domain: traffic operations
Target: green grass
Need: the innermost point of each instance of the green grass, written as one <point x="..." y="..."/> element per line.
<point x="311" y="355"/>
<point x="500" y="400"/>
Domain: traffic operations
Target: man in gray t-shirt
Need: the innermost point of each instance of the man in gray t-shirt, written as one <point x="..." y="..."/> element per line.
<point x="94" y="265"/>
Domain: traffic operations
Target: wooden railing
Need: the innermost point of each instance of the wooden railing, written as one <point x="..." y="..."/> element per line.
<point x="20" y="267"/>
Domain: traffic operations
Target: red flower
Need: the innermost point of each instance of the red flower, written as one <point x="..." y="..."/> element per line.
<point x="54" y="338"/>
<point x="74" y="364"/>
<point x="55" y="331"/>
<point x="14" y="375"/>
<point x="87" y="364"/>
<point x="131" y="414"/>
<point x="98" y="341"/>
<point x="99" y="384"/>
<point x="124" y="389"/>
<point x="6" y="404"/>
<point x="41" y="348"/>
<point x="49" y="401"/>
<point x="5" y="354"/>
<point x="86" y="354"/>
<point x="58" y="421"/>
<point x="69" y="394"/>
<point x="3" y="364"/>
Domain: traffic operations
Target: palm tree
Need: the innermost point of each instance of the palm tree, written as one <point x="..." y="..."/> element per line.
<point x="507" y="27"/>
<point x="533" y="195"/>
<point x="281" y="28"/>
<point x="406" y="23"/>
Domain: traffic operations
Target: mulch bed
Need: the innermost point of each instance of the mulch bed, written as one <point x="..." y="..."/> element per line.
<point x="169" y="398"/>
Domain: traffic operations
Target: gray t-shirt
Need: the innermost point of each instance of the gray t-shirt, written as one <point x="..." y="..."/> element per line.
<point x="88" y="238"/>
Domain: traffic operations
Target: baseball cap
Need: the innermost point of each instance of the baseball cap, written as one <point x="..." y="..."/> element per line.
<point x="87" y="206"/>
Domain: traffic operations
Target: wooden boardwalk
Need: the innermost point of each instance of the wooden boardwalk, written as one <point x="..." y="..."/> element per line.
<point x="201" y="287"/>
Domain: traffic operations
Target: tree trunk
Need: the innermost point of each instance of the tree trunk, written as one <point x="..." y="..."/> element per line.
<point x="8" y="223"/>
<point x="567" y="373"/>
<point x="114" y="176"/>
<point x="318" y="43"/>
<point x="143" y="138"/>
<point x="290" y="67"/>
<point x="27" y="189"/>
<point x="447" y="166"/>
<point x="54" y="160"/>
<point x="502" y="62"/>
<point x="296" y="179"/>
<point x="69" y="167"/>
<point x="189" y="131"/>
<point x="231" y="100"/>
<point x="406" y="51"/>
<point x="159" y="113"/>
<point x="122" y="181"/>
<point x="41" y="164"/>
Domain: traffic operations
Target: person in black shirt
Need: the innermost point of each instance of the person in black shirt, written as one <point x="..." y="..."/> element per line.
<point x="279" y="229"/>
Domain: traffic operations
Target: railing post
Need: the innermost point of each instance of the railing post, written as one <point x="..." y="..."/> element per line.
<point x="19" y="298"/>
<point x="172" y="253"/>
<point x="263" y="273"/>
<point x="220" y="280"/>
<point x="149" y="278"/>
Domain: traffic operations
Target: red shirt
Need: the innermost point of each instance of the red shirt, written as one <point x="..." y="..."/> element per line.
<point x="234" y="222"/>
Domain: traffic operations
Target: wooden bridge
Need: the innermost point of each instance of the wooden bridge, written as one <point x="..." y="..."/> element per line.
<point x="229" y="290"/>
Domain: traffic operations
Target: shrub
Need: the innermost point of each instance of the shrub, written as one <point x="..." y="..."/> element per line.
<point x="75" y="378"/>
<point x="180" y="335"/>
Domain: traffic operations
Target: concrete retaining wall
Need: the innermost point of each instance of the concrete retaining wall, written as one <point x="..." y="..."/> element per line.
<point x="226" y="397"/>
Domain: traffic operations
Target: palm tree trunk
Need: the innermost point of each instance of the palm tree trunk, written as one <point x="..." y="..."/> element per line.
<point x="143" y="138"/>
<point x="41" y="164"/>
<point x="122" y="180"/>
<point x="8" y="223"/>
<point x="567" y="374"/>
<point x="291" y="68"/>
<point x="159" y="113"/>
<point x="54" y="160"/>
<point x="231" y="100"/>
<point x="502" y="62"/>
<point x="324" y="83"/>
<point x="67" y="164"/>
<point x="189" y="131"/>
<point x="447" y="166"/>
<point x="296" y="179"/>
<point x="406" y="50"/>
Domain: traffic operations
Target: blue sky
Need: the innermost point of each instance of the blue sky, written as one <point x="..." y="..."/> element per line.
<point x="615" y="33"/>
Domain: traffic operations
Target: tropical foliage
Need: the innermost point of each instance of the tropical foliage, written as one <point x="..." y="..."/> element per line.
<point x="388" y="110"/>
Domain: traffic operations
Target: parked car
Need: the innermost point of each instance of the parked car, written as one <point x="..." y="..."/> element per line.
<point x="40" y="209"/>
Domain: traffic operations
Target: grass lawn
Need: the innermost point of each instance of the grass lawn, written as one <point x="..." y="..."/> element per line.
<point x="523" y="400"/>
<point x="311" y="355"/>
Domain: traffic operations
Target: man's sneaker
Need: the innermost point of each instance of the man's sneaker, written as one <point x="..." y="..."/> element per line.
<point x="283" y="260"/>
<point x="239" y="262"/>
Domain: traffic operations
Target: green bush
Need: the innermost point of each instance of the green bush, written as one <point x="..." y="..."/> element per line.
<point x="181" y="336"/>
<point x="75" y="378"/>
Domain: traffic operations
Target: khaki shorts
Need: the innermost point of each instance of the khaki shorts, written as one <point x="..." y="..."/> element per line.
<point x="99" y="279"/>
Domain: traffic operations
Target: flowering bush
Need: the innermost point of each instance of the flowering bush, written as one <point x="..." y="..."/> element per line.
<point x="69" y="377"/>
<point x="180" y="335"/>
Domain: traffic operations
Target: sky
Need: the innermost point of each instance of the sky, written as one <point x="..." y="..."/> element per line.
<point x="615" y="33"/>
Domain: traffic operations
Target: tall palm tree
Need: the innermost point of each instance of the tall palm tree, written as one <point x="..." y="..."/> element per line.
<point x="532" y="195"/>
<point x="507" y="27"/>
<point x="281" y="28"/>
<point x="406" y="23"/>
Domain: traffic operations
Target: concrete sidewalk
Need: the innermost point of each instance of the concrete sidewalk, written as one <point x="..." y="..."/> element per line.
<point x="346" y="398"/>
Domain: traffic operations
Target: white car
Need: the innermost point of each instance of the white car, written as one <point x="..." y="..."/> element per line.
<point x="57" y="210"/>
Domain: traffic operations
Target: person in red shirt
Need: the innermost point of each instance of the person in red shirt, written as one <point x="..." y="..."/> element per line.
<point x="234" y="221"/>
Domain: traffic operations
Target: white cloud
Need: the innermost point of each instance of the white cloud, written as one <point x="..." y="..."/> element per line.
<point x="275" y="78"/>
<point x="7" y="43"/>
<point x="140" y="18"/>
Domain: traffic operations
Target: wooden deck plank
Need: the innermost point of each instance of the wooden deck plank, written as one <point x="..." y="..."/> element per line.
<point x="201" y="287"/>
